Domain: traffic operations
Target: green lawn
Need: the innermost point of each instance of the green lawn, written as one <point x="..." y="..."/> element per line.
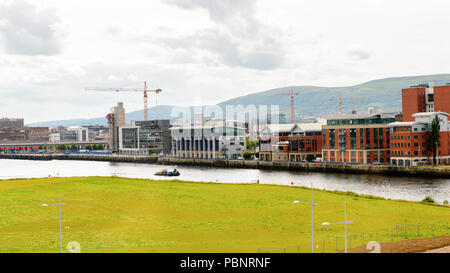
<point x="108" y="214"/>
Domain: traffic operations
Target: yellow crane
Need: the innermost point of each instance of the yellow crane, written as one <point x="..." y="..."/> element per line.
<point x="340" y="99"/>
<point x="145" y="90"/>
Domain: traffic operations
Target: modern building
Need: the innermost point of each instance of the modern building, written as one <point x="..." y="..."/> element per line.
<point x="70" y="134"/>
<point x="145" y="137"/>
<point x="214" y="139"/>
<point x="98" y="132"/>
<point x="116" y="119"/>
<point x="357" y="138"/>
<point x="425" y="98"/>
<point x="291" y="142"/>
<point x="409" y="140"/>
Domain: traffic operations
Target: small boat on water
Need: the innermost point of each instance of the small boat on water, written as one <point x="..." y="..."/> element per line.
<point x="165" y="172"/>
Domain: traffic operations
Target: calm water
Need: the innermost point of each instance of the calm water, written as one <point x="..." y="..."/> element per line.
<point x="414" y="189"/>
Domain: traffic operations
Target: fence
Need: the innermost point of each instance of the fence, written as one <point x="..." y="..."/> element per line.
<point x="399" y="232"/>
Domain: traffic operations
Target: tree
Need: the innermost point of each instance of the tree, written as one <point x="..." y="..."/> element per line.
<point x="434" y="137"/>
<point x="61" y="147"/>
<point x="252" y="144"/>
<point x="98" y="147"/>
<point x="73" y="147"/>
<point x="89" y="147"/>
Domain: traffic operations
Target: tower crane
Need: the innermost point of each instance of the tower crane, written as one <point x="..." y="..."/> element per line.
<point x="292" y="94"/>
<point x="340" y="99"/>
<point x="145" y="90"/>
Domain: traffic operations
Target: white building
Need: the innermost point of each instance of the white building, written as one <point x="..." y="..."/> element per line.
<point x="215" y="139"/>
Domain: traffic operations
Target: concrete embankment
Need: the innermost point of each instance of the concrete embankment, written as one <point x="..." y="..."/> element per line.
<point x="88" y="157"/>
<point x="311" y="167"/>
<point x="248" y="164"/>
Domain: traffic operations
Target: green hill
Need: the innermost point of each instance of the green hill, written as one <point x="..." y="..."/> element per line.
<point x="312" y="101"/>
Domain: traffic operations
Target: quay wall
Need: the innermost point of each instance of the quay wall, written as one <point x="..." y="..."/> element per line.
<point x="434" y="172"/>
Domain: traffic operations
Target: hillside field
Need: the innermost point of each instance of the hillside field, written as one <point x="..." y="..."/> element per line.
<point x="111" y="214"/>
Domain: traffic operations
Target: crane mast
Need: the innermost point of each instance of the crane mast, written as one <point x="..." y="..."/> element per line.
<point x="292" y="94"/>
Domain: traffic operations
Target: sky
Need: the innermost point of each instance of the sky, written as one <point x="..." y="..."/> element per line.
<point x="205" y="51"/>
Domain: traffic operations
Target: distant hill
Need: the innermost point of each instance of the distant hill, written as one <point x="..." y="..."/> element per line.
<point x="312" y="101"/>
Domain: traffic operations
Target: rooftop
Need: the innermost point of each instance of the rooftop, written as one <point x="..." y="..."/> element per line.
<point x="427" y="114"/>
<point x="360" y="116"/>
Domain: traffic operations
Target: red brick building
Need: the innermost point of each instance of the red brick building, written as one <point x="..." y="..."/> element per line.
<point x="409" y="140"/>
<point x="37" y="134"/>
<point x="425" y="98"/>
<point x="357" y="138"/>
<point x="290" y="142"/>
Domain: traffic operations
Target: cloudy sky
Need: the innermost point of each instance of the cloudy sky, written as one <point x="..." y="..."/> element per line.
<point x="206" y="49"/>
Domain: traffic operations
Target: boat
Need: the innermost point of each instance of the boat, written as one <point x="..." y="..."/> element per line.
<point x="165" y="172"/>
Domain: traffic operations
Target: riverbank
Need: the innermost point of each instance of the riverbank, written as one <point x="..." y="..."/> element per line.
<point x="111" y="214"/>
<point x="429" y="172"/>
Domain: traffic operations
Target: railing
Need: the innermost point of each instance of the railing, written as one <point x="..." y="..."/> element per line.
<point x="399" y="232"/>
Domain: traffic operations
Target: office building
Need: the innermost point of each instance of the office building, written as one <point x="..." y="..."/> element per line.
<point x="215" y="139"/>
<point x="409" y="140"/>
<point x="425" y="98"/>
<point x="291" y="142"/>
<point x="357" y="138"/>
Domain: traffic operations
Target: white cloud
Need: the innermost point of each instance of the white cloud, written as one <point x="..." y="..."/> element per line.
<point x="214" y="49"/>
<point x="25" y="30"/>
<point x="359" y="54"/>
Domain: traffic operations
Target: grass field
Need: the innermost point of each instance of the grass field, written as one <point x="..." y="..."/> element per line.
<point x="109" y="214"/>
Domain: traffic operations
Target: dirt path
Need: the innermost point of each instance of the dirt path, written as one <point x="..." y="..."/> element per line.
<point x="439" y="250"/>
<point x="428" y="245"/>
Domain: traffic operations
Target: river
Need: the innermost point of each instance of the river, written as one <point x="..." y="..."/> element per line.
<point x="404" y="188"/>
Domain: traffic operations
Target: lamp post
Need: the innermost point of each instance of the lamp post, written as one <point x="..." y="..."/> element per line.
<point x="341" y="223"/>
<point x="60" y="222"/>
<point x="312" y="204"/>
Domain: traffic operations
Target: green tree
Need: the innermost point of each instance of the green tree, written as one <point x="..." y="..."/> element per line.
<point x="252" y="144"/>
<point x="89" y="147"/>
<point x="98" y="147"/>
<point x="434" y="137"/>
<point x="61" y="147"/>
<point x="73" y="147"/>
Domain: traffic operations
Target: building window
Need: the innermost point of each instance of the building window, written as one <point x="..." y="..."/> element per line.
<point x="331" y="138"/>
<point x="353" y="138"/>
<point x="361" y="138"/>
<point x="367" y="138"/>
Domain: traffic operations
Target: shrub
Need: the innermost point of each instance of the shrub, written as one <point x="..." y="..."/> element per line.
<point x="446" y="202"/>
<point x="247" y="155"/>
<point x="428" y="199"/>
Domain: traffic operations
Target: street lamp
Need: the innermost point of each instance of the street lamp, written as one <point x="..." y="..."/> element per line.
<point x="345" y="223"/>
<point x="60" y="225"/>
<point x="312" y="204"/>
